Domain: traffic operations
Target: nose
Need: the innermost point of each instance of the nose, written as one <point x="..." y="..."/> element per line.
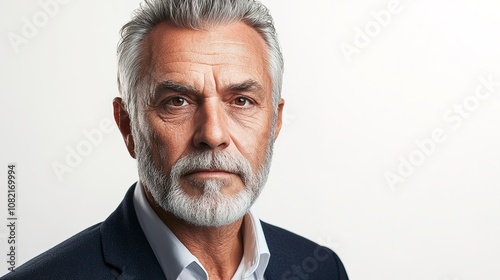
<point x="211" y="126"/>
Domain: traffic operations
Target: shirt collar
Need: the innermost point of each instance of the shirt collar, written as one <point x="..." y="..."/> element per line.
<point x="256" y="253"/>
<point x="174" y="258"/>
<point x="171" y="254"/>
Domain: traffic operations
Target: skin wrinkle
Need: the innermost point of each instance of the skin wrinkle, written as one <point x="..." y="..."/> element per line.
<point x="168" y="89"/>
<point x="156" y="69"/>
<point x="248" y="85"/>
<point x="197" y="97"/>
<point x="215" y="52"/>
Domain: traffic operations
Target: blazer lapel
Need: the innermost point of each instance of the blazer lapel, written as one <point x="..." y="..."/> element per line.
<point x="125" y="246"/>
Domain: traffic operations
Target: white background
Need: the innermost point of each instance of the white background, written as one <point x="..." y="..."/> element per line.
<point x="349" y="120"/>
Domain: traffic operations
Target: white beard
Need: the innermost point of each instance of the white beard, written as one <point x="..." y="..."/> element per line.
<point x="212" y="208"/>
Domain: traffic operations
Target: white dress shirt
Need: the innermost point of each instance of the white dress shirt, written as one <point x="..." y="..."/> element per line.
<point x="178" y="263"/>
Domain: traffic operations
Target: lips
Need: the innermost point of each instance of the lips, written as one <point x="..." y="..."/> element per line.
<point x="209" y="172"/>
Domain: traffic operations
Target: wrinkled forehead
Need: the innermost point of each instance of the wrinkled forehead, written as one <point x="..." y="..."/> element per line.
<point x="228" y="50"/>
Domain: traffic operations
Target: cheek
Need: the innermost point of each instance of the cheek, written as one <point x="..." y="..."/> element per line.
<point x="169" y="142"/>
<point x="252" y="141"/>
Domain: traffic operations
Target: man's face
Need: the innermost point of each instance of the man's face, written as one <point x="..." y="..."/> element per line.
<point x="212" y="94"/>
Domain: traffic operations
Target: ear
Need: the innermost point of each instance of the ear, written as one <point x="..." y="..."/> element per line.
<point x="122" y="119"/>
<point x="279" y="120"/>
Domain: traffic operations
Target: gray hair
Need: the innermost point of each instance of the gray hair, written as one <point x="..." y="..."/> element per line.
<point x="194" y="14"/>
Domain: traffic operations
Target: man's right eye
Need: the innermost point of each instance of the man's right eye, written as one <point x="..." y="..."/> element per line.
<point x="176" y="101"/>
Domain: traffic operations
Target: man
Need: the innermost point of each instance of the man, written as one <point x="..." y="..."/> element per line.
<point x="200" y="110"/>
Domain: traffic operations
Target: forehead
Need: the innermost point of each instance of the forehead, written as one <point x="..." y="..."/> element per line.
<point x="226" y="53"/>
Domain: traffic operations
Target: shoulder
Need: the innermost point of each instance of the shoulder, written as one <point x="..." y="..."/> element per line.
<point x="295" y="257"/>
<point x="76" y="258"/>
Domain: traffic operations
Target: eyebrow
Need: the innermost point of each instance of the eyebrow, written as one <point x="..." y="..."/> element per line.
<point x="248" y="85"/>
<point x="173" y="86"/>
<point x="168" y="85"/>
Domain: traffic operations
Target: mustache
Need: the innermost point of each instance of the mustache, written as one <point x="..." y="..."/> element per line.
<point x="212" y="160"/>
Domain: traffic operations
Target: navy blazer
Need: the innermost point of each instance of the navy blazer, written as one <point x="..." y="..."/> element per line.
<point x="118" y="249"/>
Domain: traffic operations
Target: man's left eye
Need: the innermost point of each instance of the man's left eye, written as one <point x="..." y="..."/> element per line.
<point x="242" y="102"/>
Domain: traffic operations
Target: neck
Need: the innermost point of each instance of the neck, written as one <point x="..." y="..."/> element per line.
<point x="219" y="249"/>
